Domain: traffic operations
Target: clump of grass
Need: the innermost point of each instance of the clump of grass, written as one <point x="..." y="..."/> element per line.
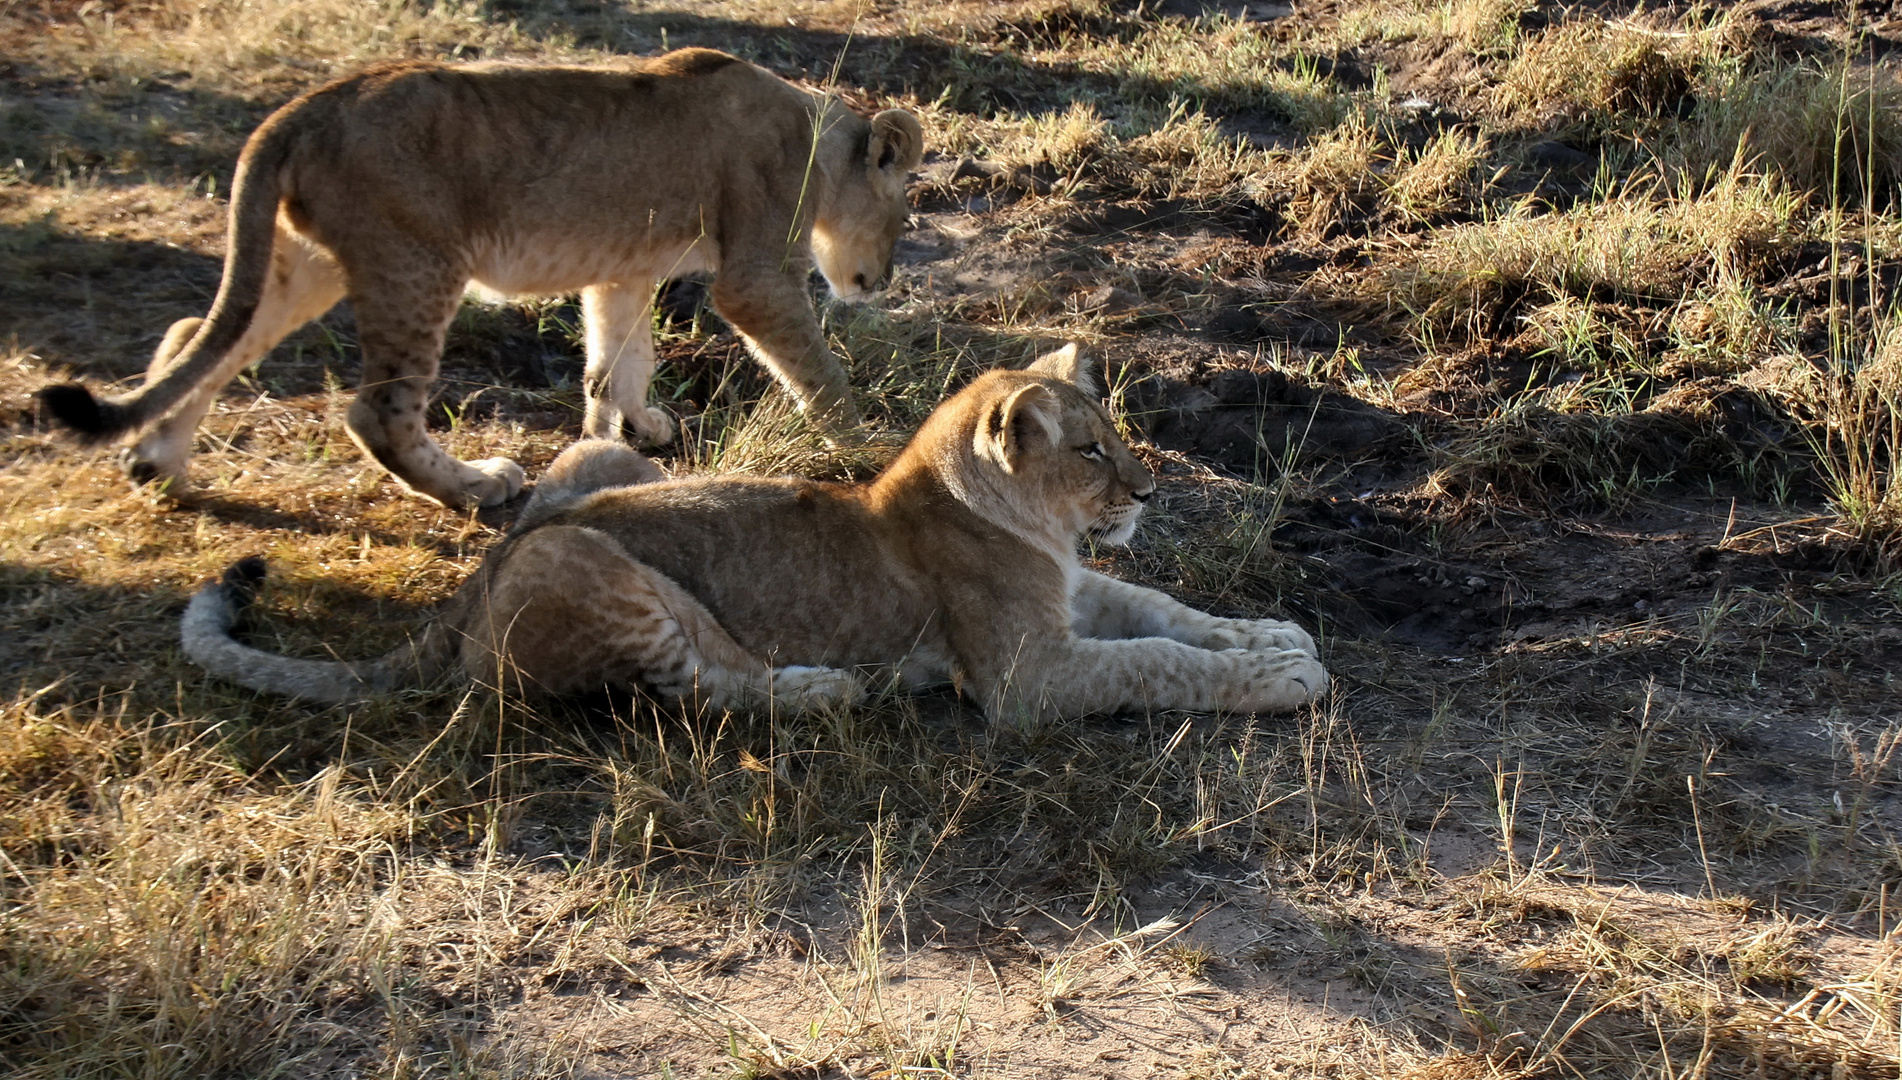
<point x="1334" y="173"/>
<point x="1188" y="156"/>
<point x="1167" y="150"/>
<point x="1308" y="99"/>
<point x="1066" y="141"/>
<point x="1221" y="64"/>
<point x="1531" y="455"/>
<point x="1860" y="439"/>
<point x="1583" y="334"/>
<point x="1726" y="325"/>
<point x="1440" y="177"/>
<point x="1597" y="75"/>
<point x="774" y="438"/>
<point x="1643" y="243"/>
<point x="1482" y="26"/>
<point x="1834" y="129"/>
<point x="1602" y="440"/>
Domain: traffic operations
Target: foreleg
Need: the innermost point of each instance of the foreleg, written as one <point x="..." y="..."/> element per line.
<point x="1083" y="676"/>
<point x="772" y="311"/>
<point x="1103" y="607"/>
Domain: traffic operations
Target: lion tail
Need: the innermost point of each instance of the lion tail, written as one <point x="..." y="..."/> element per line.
<point x="207" y="626"/>
<point x="256" y="191"/>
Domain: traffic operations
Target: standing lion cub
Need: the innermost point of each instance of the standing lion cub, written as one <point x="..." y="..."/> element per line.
<point x="400" y="185"/>
<point x="957" y="564"/>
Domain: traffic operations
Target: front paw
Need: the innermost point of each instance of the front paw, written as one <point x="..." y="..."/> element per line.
<point x="650" y="426"/>
<point x="1260" y="635"/>
<point x="146" y="469"/>
<point x="811" y="689"/>
<point x="1278" y="681"/>
<point x="497" y="481"/>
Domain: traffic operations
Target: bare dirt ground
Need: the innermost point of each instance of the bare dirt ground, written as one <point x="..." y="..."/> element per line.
<point x="1525" y="351"/>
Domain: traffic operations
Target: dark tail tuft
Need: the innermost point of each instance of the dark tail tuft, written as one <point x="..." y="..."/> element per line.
<point x="241" y="581"/>
<point x="74" y="406"/>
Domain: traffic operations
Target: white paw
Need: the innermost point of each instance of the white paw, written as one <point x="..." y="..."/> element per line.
<point x="811" y="688"/>
<point x="145" y="468"/>
<point x="501" y="480"/>
<point x="653" y="426"/>
<point x="1260" y="635"/>
<point x="1279" y="681"/>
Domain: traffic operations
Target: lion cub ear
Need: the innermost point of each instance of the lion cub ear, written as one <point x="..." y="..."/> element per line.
<point x="1022" y="422"/>
<point x="1069" y="365"/>
<point x="898" y="141"/>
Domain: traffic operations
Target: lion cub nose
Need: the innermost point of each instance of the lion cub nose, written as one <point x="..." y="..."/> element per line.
<point x="1143" y="495"/>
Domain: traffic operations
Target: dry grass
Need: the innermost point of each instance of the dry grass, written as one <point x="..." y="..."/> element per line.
<point x="1445" y="174"/>
<point x="1634" y="828"/>
<point x="1598" y="76"/>
<point x="1830" y="130"/>
<point x="1480" y="26"/>
<point x="1638" y="243"/>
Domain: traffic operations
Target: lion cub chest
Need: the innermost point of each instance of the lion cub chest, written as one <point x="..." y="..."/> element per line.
<point x="796" y="571"/>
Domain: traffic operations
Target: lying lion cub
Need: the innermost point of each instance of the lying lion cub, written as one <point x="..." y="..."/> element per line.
<point x="400" y="185"/>
<point x="958" y="563"/>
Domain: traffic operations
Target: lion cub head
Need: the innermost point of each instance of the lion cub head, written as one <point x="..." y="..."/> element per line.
<point x="862" y="208"/>
<point x="1035" y="452"/>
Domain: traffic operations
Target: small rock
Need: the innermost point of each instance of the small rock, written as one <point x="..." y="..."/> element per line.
<point x="1552" y="154"/>
<point x="1109" y="299"/>
<point x="1000" y="175"/>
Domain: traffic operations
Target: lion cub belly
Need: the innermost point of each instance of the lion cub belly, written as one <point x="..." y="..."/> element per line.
<point x="545" y="266"/>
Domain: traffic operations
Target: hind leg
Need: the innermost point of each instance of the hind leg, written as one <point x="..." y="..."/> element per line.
<point x="401" y="319"/>
<point x="304" y="282"/>
<point x="571" y="611"/>
<point x="619" y="318"/>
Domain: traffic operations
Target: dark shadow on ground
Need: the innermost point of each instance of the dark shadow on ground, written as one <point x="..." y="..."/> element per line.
<point x="119" y="133"/>
<point x="102" y="304"/>
<point x="90" y="637"/>
<point x="979" y="77"/>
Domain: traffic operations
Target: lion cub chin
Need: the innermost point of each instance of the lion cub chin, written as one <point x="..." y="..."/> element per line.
<point x="957" y="564"/>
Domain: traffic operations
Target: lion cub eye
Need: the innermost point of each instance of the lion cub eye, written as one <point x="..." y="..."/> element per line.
<point x="1092" y="452"/>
